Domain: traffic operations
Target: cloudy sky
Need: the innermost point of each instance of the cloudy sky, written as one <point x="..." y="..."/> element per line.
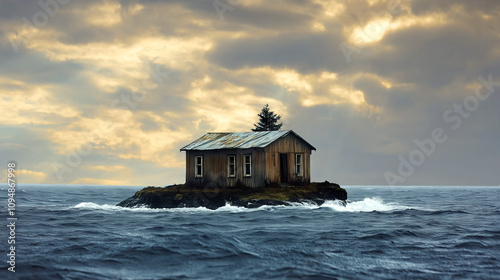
<point x="389" y="92"/>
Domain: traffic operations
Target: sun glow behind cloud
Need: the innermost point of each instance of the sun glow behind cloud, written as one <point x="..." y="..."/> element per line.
<point x="378" y="27"/>
<point x="372" y="32"/>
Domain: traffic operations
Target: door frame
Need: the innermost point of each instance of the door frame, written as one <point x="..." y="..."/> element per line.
<point x="283" y="168"/>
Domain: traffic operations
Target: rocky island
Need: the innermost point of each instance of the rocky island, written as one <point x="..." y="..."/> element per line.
<point x="213" y="197"/>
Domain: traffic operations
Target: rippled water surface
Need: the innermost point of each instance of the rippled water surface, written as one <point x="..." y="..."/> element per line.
<point x="76" y="232"/>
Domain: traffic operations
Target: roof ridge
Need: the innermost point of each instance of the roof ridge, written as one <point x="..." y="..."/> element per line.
<point x="213" y="132"/>
<point x="218" y="132"/>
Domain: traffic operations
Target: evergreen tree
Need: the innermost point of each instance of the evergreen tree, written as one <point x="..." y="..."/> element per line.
<point x="268" y="120"/>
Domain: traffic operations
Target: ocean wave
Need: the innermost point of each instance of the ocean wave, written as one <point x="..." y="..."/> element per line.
<point x="365" y="205"/>
<point x="107" y="207"/>
<point x="227" y="208"/>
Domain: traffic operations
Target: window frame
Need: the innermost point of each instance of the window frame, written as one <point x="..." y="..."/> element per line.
<point x="245" y="163"/>
<point x="196" y="164"/>
<point x="229" y="175"/>
<point x="299" y="164"/>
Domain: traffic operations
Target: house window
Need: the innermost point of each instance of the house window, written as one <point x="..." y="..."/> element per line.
<point x="198" y="166"/>
<point x="247" y="165"/>
<point x="231" y="166"/>
<point x="299" y="166"/>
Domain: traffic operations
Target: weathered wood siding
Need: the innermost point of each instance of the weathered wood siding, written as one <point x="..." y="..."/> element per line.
<point x="289" y="145"/>
<point x="265" y="164"/>
<point x="215" y="168"/>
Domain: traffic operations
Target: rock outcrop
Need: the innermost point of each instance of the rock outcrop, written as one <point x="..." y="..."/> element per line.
<point x="212" y="197"/>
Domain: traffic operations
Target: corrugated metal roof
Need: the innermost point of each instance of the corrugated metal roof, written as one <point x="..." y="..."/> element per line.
<point x="238" y="140"/>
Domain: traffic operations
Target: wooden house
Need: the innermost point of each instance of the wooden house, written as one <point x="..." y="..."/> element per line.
<point x="253" y="159"/>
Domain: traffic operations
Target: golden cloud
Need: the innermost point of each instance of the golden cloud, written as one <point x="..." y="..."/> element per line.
<point x="110" y="168"/>
<point x="102" y="14"/>
<point x="217" y="106"/>
<point x="34" y="177"/>
<point x="31" y="105"/>
<point x="98" y="181"/>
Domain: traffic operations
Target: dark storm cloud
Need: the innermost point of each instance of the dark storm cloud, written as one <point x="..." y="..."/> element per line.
<point x="471" y="7"/>
<point x="431" y="57"/>
<point x="304" y="52"/>
<point x="37" y="69"/>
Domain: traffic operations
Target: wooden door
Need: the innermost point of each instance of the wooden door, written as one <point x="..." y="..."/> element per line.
<point x="284" y="168"/>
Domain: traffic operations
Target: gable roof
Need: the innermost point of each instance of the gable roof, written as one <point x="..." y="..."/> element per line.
<point x="239" y="140"/>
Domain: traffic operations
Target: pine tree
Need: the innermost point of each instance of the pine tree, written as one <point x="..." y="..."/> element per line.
<point x="268" y="120"/>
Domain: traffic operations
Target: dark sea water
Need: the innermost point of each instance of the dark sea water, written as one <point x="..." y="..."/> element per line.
<point x="76" y="232"/>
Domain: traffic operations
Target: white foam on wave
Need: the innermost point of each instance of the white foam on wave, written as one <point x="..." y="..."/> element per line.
<point x="107" y="207"/>
<point x="365" y="205"/>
